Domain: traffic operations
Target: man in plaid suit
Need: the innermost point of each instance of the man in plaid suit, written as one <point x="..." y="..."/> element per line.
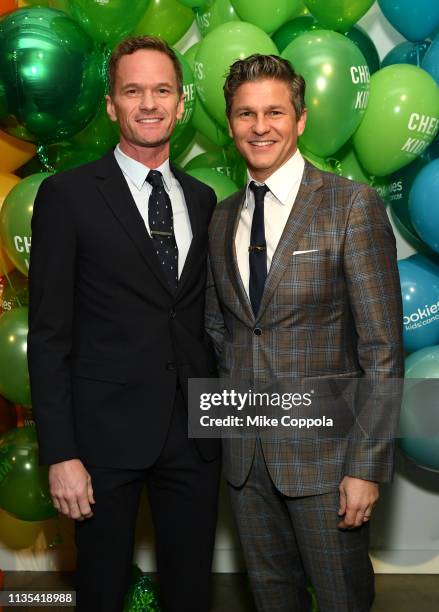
<point x="303" y="283"/>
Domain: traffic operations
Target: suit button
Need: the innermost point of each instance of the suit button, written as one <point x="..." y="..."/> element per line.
<point x="172" y="314"/>
<point x="170" y="365"/>
<point x="257" y="331"/>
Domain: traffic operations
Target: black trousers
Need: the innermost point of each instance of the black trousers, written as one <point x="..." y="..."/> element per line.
<point x="182" y="490"/>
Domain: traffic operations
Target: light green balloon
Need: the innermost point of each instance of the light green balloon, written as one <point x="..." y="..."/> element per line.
<point x="213" y="14"/>
<point x="15" y="219"/>
<point x="347" y="164"/>
<point x="189" y="93"/>
<point x="202" y="122"/>
<point x="337" y="87"/>
<point x="266" y="15"/>
<point x="14" y="377"/>
<point x="108" y="21"/>
<point x="222" y="185"/>
<point x="401" y="119"/>
<point x="221" y="47"/>
<point x="167" y="19"/>
<point x="338" y="15"/>
<point x="215" y="160"/>
<point x="319" y="162"/>
<point x="190" y="54"/>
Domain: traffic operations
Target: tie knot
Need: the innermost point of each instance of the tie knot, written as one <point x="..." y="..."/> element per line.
<point x="259" y="192"/>
<point x="155" y="178"/>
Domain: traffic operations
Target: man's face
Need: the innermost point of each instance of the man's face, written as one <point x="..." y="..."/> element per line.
<point x="263" y="125"/>
<point x="145" y="101"/>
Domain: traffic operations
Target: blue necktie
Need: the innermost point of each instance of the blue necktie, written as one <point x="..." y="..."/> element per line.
<point x="161" y="227"/>
<point x="258" y="248"/>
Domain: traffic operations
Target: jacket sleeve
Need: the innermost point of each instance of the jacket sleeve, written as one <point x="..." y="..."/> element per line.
<point x="51" y="299"/>
<point x="213" y="320"/>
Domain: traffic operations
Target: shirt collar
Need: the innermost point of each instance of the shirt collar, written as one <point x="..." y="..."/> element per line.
<point x="282" y="182"/>
<point x="138" y="172"/>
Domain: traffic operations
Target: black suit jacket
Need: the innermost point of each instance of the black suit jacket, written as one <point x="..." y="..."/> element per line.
<point x="107" y="337"/>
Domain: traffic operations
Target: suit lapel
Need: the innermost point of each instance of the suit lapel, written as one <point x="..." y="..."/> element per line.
<point x="305" y="206"/>
<point x="114" y="188"/>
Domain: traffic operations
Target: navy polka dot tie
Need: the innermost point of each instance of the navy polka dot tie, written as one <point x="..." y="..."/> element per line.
<point x="258" y="248"/>
<point x="161" y="227"/>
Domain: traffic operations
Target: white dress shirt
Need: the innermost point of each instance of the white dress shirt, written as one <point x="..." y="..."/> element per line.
<point x="283" y="185"/>
<point x="135" y="175"/>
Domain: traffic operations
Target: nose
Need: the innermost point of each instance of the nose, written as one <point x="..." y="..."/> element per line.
<point x="261" y="125"/>
<point x="147" y="101"/>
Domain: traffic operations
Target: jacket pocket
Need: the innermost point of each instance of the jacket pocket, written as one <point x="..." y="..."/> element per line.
<point x="96" y="370"/>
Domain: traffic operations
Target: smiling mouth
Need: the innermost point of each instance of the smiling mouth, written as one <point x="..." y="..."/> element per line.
<point x="261" y="143"/>
<point x="149" y="120"/>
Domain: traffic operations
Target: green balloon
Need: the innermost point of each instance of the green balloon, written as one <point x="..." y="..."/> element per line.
<point x="221" y="47"/>
<point x="189" y="92"/>
<point x="221" y="184"/>
<point x="181" y="142"/>
<point x="51" y="75"/>
<point x="366" y="46"/>
<point x="239" y="167"/>
<point x="193" y="3"/>
<point x="347" y="164"/>
<point x="317" y="161"/>
<point x="338" y="15"/>
<point x="15" y="220"/>
<point x="167" y="19"/>
<point x="213" y="14"/>
<point x="190" y="54"/>
<point x="266" y="15"/>
<point x="110" y="21"/>
<point x="24" y="486"/>
<point x="337" y="88"/>
<point x="214" y="160"/>
<point x="202" y="122"/>
<point x="14" y="377"/>
<point x="401" y="119"/>
<point x="292" y="29"/>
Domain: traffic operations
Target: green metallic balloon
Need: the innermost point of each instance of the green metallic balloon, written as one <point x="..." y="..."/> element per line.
<point x="213" y="14"/>
<point x="110" y="21"/>
<point x="337" y="88"/>
<point x="292" y="29"/>
<point x="401" y="119"/>
<point x="366" y="46"/>
<point x="268" y="16"/>
<point x="221" y="184"/>
<point x="14" y="377"/>
<point x="15" y="220"/>
<point x="218" y="50"/>
<point x="51" y="75"/>
<point x="24" y="486"/>
<point x="338" y="15"/>
<point x="167" y="19"/>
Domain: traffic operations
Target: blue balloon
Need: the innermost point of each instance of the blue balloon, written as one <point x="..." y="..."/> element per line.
<point x="414" y="19"/>
<point x="424" y="204"/>
<point x="406" y="53"/>
<point x="431" y="60"/>
<point x="420" y="301"/>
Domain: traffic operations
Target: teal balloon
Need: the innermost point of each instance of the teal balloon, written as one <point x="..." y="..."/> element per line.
<point x="430" y="63"/>
<point x="221" y="184"/>
<point x="214" y="13"/>
<point x="292" y="29"/>
<point x="366" y="46"/>
<point x="414" y="19"/>
<point x="51" y="75"/>
<point x="406" y="53"/>
<point x="24" y="486"/>
<point x="424" y="205"/>
<point x="14" y="377"/>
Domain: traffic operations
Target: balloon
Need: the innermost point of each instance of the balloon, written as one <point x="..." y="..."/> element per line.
<point x="7" y="182"/>
<point x="414" y="19"/>
<point x="50" y="75"/>
<point x="221" y="184"/>
<point x="292" y="29"/>
<point x="8" y="416"/>
<point x="14" y="377"/>
<point x="420" y="299"/>
<point x="203" y="123"/>
<point x="348" y="165"/>
<point x="14" y="152"/>
<point x="319" y="162"/>
<point x="190" y="54"/>
<point x="180" y="144"/>
<point x="401" y="119"/>
<point x="366" y="46"/>
<point x="167" y="19"/>
<point x="218" y="50"/>
<point x="337" y="87"/>
<point x="266" y="15"/>
<point x="418" y="425"/>
<point x="7" y="5"/>
<point x="189" y="92"/>
<point x="15" y="218"/>
<point x="110" y="21"/>
<point x="338" y="15"/>
<point x="430" y="62"/>
<point x="424" y="205"/>
<point x="193" y="3"/>
<point x="213" y="14"/>
<point x="406" y="53"/>
<point x="24" y="488"/>
<point x="214" y="160"/>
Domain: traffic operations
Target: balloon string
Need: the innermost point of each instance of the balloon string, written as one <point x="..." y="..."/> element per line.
<point x="418" y="55"/>
<point x="44" y="158"/>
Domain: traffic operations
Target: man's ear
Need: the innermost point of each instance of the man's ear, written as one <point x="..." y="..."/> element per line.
<point x="229" y="128"/>
<point x="111" y="112"/>
<point x="302" y="122"/>
<point x="180" y="106"/>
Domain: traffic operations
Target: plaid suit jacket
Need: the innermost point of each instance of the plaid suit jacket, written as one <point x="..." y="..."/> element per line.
<point x="332" y="312"/>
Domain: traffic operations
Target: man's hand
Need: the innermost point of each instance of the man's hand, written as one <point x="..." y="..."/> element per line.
<point x="357" y="499"/>
<point x="71" y="490"/>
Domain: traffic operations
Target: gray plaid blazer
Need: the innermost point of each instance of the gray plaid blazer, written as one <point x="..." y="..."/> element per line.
<point x="333" y="312"/>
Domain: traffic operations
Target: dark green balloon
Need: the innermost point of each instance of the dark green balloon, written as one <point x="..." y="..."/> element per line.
<point x="189" y="95"/>
<point x="14" y="377"/>
<point x="24" y="487"/>
<point x="51" y="75"/>
<point x="292" y="29"/>
<point x="366" y="46"/>
<point x="180" y="141"/>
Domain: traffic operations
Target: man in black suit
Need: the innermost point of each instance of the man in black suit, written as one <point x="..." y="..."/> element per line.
<point x="117" y="278"/>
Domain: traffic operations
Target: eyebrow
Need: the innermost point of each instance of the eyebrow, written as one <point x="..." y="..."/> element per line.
<point x="249" y="108"/>
<point x="133" y="84"/>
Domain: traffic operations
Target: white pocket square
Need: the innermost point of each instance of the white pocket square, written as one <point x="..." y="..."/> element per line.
<point x="302" y="252"/>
